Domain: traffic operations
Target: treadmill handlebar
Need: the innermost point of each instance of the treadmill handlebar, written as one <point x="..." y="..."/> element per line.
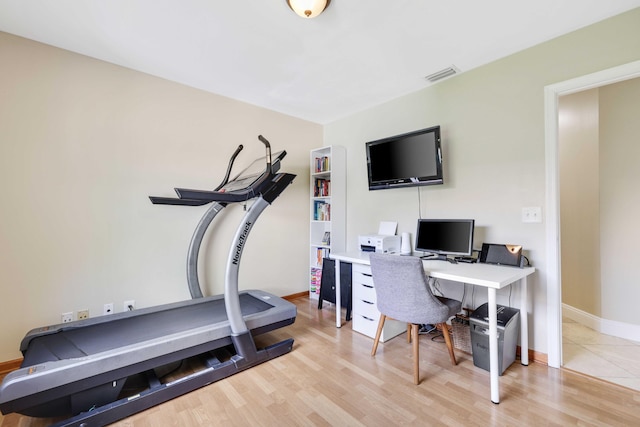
<point x="264" y="140"/>
<point x="268" y="148"/>
<point x="226" y="176"/>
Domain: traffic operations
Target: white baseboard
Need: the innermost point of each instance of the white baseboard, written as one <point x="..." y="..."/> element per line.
<point x="610" y="327"/>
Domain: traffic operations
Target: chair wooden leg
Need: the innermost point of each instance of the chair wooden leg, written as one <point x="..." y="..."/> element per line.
<point x="378" y="333"/>
<point x="408" y="333"/>
<point x="447" y="340"/>
<point x="415" y="332"/>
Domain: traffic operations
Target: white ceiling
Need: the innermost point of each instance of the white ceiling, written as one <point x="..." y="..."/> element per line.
<point x="357" y="54"/>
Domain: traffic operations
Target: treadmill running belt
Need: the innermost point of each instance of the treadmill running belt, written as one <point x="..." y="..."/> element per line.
<point x="73" y="343"/>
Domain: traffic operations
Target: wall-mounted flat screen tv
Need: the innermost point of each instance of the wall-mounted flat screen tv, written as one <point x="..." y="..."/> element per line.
<point x="413" y="158"/>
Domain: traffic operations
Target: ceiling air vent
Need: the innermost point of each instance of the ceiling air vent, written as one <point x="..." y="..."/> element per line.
<point x="439" y="75"/>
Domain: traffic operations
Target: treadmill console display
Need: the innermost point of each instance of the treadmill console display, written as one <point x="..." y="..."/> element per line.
<point x="252" y="172"/>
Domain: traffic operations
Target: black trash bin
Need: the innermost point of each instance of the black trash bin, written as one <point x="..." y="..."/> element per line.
<point x="508" y="327"/>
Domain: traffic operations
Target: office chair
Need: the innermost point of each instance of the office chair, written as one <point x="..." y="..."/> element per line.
<point x="403" y="294"/>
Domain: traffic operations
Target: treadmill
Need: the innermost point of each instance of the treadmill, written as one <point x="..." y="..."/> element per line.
<point x="84" y="370"/>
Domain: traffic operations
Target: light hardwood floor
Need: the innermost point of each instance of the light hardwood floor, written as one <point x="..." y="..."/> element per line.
<point x="329" y="379"/>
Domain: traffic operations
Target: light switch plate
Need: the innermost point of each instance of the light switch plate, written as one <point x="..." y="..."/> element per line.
<point x="532" y="214"/>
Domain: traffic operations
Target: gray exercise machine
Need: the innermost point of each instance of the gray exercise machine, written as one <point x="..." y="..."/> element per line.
<point x="86" y="370"/>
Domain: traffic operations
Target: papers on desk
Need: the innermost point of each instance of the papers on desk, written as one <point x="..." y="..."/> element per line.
<point x="387" y="228"/>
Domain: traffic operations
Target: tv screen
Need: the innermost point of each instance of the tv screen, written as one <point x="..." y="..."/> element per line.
<point x="409" y="159"/>
<point x="445" y="236"/>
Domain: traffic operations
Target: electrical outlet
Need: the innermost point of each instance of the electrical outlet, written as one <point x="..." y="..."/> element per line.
<point x="107" y="308"/>
<point x="129" y="305"/>
<point x="66" y="317"/>
<point x="83" y="314"/>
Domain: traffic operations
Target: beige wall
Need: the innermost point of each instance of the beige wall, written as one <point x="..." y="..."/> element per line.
<point x="493" y="134"/>
<point x="578" y="134"/>
<point x="82" y="145"/>
<point x="620" y="200"/>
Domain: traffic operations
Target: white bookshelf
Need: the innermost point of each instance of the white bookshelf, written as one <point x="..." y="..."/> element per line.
<point x="327" y="209"/>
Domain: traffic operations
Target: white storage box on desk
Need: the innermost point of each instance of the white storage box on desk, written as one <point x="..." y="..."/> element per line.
<point x="365" y="312"/>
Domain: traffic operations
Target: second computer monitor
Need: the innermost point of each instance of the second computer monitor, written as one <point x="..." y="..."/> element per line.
<point x="445" y="236"/>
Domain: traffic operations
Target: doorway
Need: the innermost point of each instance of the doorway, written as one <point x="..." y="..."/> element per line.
<point x="554" y="285"/>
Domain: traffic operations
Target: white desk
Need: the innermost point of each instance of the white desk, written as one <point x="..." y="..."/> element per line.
<point x="492" y="277"/>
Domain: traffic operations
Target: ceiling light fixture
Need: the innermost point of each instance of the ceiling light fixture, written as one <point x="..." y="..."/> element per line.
<point x="308" y="8"/>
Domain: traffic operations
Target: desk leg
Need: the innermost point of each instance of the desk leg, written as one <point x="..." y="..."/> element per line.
<point x="493" y="346"/>
<point x="338" y="295"/>
<point x="524" y="324"/>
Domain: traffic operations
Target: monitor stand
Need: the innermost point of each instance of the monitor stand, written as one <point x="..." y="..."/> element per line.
<point x="434" y="257"/>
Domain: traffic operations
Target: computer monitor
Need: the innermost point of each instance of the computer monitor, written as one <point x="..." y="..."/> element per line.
<point x="443" y="237"/>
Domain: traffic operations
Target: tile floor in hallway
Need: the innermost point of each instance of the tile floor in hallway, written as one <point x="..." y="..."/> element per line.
<point x="602" y="356"/>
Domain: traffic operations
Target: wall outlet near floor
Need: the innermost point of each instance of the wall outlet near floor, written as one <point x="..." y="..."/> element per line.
<point x="66" y="317"/>
<point x="83" y="314"/>
<point x="129" y="305"/>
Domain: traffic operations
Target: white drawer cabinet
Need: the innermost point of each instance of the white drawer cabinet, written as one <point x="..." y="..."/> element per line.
<point x="365" y="314"/>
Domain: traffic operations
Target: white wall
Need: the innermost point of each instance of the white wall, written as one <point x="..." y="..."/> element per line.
<point x="492" y="120"/>
<point x="83" y="143"/>
<point x="579" y="154"/>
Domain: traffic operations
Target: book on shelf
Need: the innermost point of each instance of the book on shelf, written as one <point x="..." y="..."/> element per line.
<point x="323" y="164"/>
<point x="321" y="211"/>
<point x="321" y="253"/>
<point x="322" y="187"/>
<point x="316" y="277"/>
<point x="326" y="238"/>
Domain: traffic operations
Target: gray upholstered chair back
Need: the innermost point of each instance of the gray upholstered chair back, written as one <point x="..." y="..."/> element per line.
<point x="402" y="290"/>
